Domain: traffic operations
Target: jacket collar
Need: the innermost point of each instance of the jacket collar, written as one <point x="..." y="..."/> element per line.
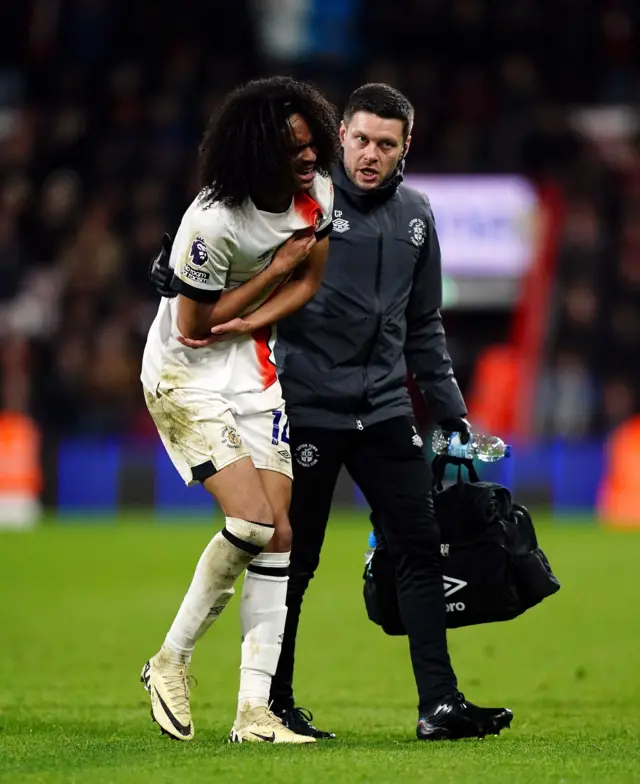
<point x="366" y="200"/>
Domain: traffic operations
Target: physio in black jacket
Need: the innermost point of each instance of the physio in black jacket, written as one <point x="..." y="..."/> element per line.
<point x="343" y="362"/>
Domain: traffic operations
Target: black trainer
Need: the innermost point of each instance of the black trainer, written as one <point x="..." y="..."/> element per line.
<point x="454" y="718"/>
<point x="299" y="720"/>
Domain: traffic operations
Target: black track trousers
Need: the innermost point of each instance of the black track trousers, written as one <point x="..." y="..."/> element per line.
<point x="390" y="468"/>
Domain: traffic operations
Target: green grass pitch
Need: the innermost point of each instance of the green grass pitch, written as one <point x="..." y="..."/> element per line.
<point x="83" y="606"/>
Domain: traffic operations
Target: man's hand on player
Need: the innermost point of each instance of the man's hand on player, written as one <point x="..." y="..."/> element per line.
<point x="231" y="329"/>
<point x="160" y="273"/>
<point x="294" y="251"/>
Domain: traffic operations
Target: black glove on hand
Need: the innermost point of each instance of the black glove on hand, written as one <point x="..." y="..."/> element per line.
<point x="160" y="273"/>
<point x="457" y="425"/>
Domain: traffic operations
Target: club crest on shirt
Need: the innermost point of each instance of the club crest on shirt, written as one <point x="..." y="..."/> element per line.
<point x="417" y="232"/>
<point x="198" y="254"/>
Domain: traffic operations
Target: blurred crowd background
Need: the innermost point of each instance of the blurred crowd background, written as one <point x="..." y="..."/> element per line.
<point x="102" y="103"/>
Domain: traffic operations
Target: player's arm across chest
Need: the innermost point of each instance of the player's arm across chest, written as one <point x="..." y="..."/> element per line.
<point x="196" y="318"/>
<point x="202" y="277"/>
<point x="296" y="292"/>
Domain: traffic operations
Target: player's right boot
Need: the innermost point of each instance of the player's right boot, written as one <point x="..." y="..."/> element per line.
<point x="260" y="725"/>
<point x="167" y="682"/>
<point x="454" y="718"/>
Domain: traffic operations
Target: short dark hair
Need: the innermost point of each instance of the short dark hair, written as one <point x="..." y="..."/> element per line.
<point x="247" y="145"/>
<point x="383" y="101"/>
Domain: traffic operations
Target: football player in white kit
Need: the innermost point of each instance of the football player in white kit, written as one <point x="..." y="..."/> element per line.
<point x="250" y="250"/>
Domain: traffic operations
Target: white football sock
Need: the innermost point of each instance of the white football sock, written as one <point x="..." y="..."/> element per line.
<point x="263" y="612"/>
<point x="222" y="562"/>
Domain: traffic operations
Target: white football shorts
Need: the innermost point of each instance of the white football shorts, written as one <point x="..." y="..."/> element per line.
<point x="205" y="431"/>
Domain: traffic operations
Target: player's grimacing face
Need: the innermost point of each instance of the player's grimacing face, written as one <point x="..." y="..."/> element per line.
<point x="304" y="153"/>
<point x="372" y="148"/>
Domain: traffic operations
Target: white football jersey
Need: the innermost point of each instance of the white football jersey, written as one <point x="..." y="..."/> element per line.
<point x="216" y="249"/>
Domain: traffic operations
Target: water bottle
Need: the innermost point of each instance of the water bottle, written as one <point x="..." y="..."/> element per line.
<point x="372" y="546"/>
<point x="480" y="446"/>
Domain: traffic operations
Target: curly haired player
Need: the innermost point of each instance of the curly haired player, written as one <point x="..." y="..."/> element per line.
<point x="250" y="250"/>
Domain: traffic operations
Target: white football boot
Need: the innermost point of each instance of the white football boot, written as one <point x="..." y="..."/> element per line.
<point x="167" y="682"/>
<point x="260" y="725"/>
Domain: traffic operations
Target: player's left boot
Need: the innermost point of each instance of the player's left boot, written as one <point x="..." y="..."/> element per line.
<point x="454" y="718"/>
<point x="260" y="725"/>
<point x="299" y="721"/>
<point x="167" y="682"/>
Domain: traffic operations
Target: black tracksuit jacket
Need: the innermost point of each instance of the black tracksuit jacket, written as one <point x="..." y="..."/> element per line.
<point x="343" y="358"/>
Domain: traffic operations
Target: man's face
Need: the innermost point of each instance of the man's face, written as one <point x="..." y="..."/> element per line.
<point x="372" y="148"/>
<point x="303" y="153"/>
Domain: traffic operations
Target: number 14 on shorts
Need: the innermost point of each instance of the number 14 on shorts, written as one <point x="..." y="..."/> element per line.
<point x="280" y="432"/>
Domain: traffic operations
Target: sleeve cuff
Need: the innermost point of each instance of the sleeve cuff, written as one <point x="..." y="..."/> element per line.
<point x="205" y="296"/>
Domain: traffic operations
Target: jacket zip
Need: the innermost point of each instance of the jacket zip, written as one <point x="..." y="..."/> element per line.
<point x="378" y="312"/>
